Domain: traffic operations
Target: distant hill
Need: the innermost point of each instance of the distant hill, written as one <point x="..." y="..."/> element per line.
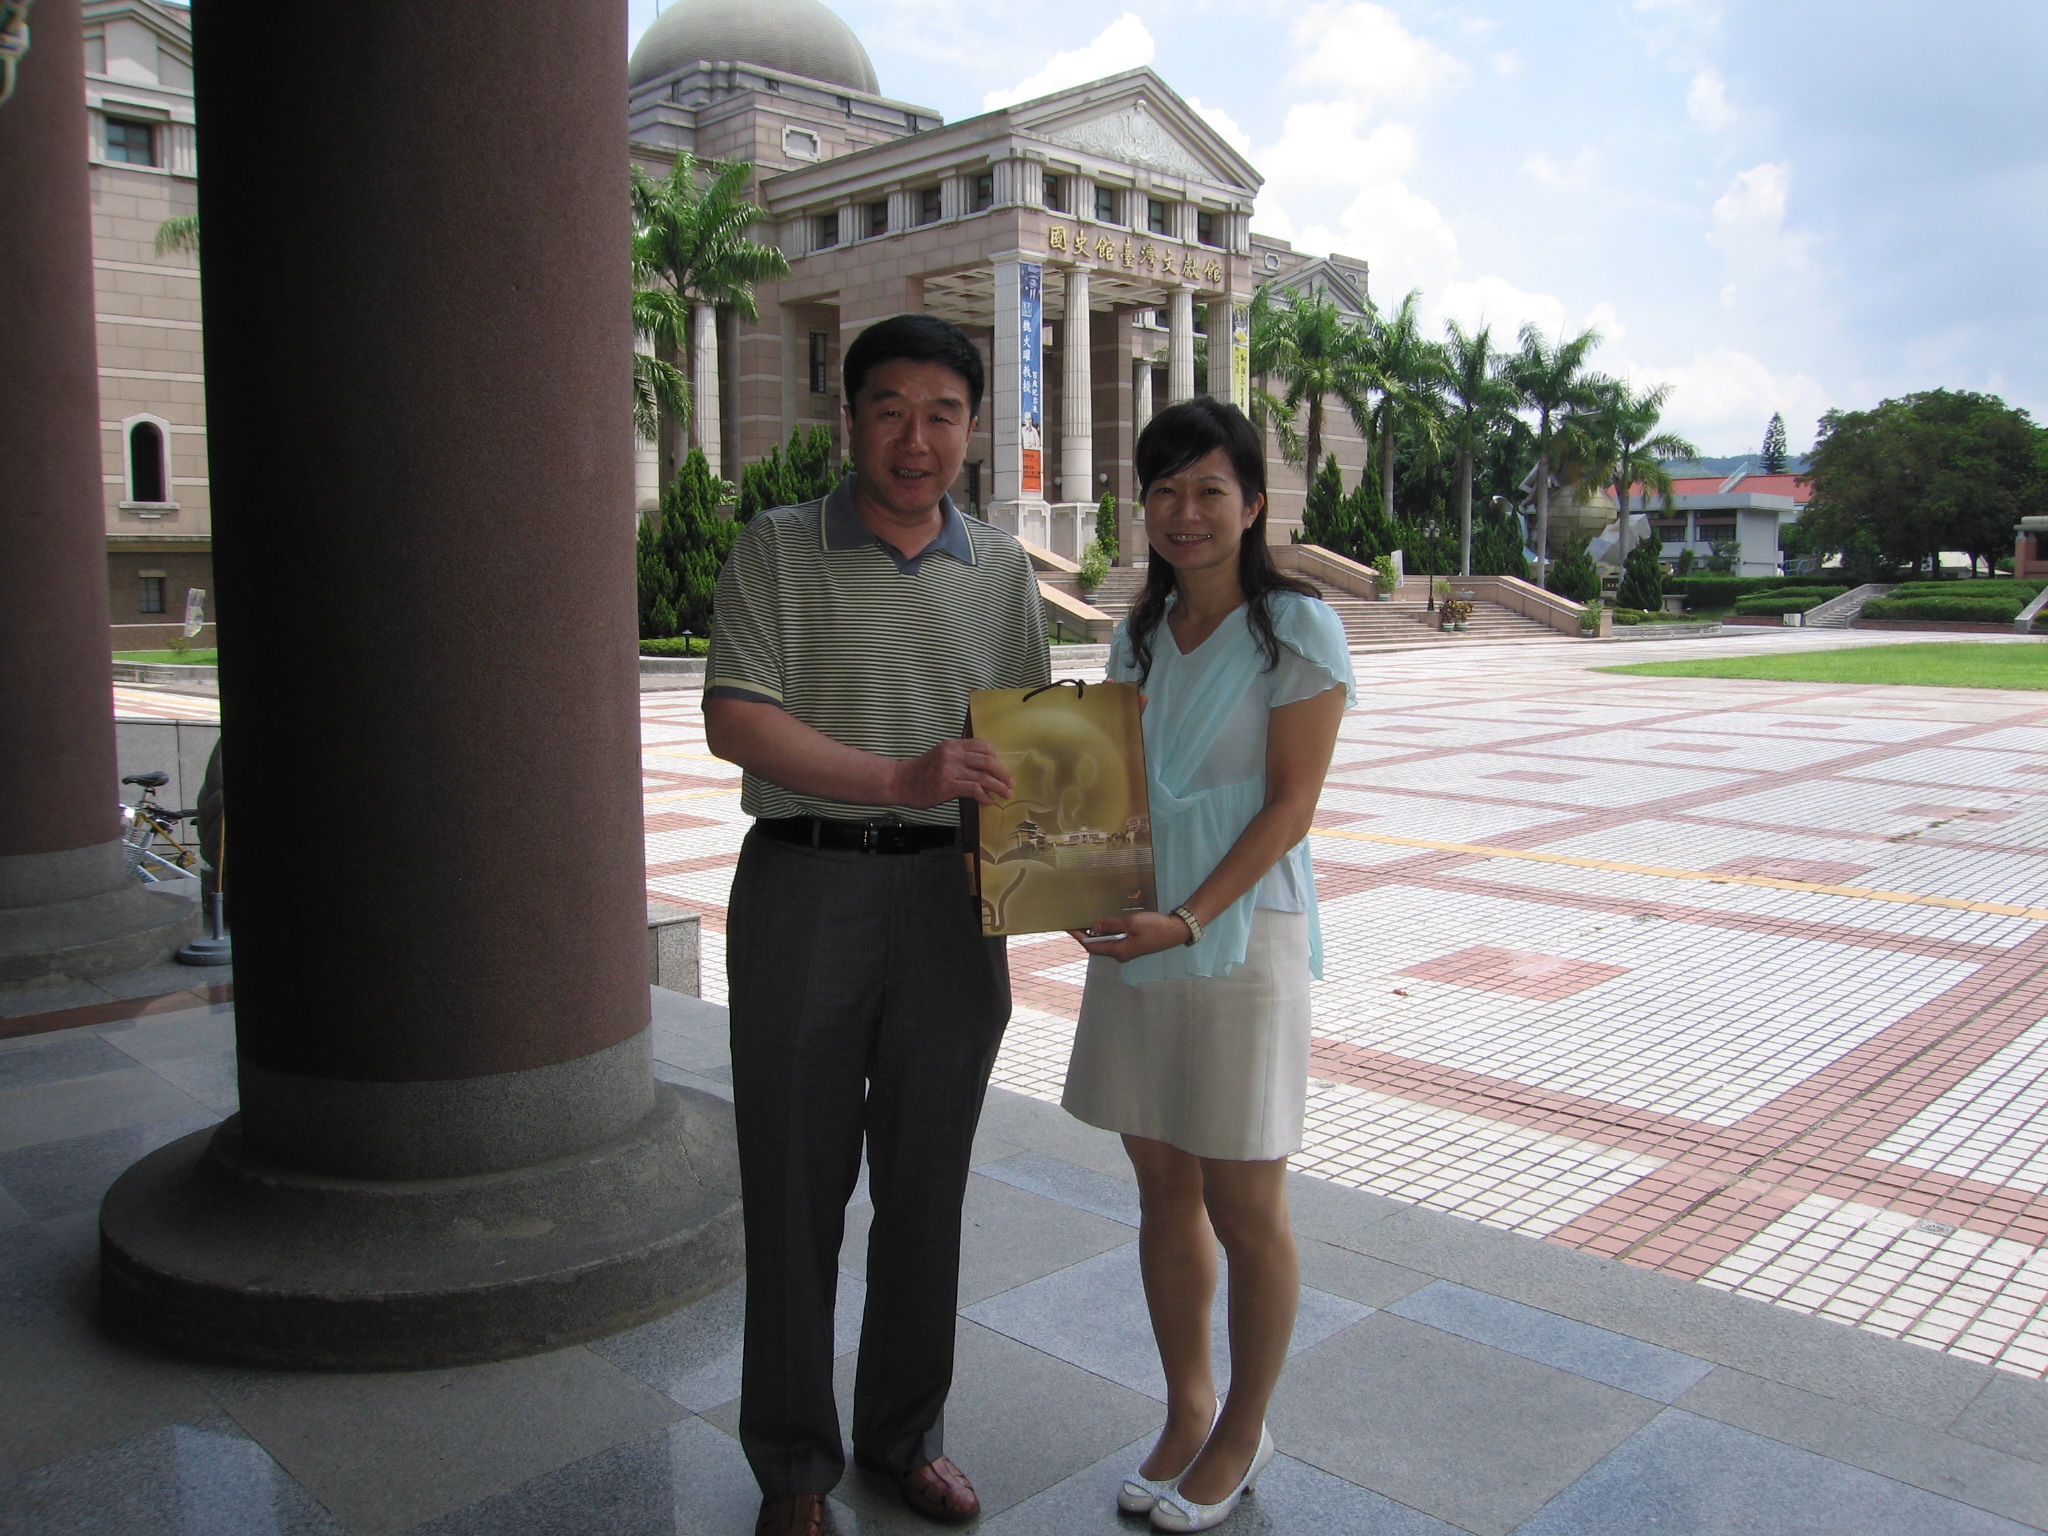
<point x="1795" y="464"/>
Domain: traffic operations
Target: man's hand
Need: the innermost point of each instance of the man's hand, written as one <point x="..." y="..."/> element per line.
<point x="964" y="769"/>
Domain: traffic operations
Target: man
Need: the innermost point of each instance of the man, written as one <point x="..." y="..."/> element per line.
<point x="865" y="1003"/>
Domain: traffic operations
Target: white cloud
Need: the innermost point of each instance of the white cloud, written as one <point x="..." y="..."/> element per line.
<point x="1575" y="177"/>
<point x="1506" y="64"/>
<point x="1755" y="198"/>
<point x="1223" y="123"/>
<point x="1722" y="398"/>
<point x="1365" y="51"/>
<point x="1496" y="302"/>
<point x="1707" y="102"/>
<point x="1325" y="153"/>
<point x="1478" y="26"/>
<point x="1766" y="266"/>
<point x="1123" y="44"/>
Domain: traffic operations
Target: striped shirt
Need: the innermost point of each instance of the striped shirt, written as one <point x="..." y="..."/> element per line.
<point x="876" y="650"/>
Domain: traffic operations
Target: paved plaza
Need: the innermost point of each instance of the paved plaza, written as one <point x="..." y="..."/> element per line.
<point x="1670" y="1026"/>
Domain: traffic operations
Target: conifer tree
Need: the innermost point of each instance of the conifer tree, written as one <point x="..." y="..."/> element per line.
<point x="1326" y="513"/>
<point x="1497" y="548"/>
<point x="1573" y="573"/>
<point x="1105" y="527"/>
<point x="680" y="553"/>
<point x="1642" y="579"/>
<point x="1772" y="459"/>
<point x="788" y="477"/>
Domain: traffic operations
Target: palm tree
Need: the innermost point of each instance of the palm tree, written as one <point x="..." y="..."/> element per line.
<point x="1315" y="352"/>
<point x="1552" y="381"/>
<point x="690" y="245"/>
<point x="1480" y="400"/>
<point x="1635" y="449"/>
<point x="1407" y="374"/>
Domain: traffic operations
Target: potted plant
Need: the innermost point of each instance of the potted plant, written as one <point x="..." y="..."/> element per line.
<point x="1386" y="576"/>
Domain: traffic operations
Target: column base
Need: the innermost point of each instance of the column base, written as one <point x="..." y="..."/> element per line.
<point x="207" y="1250"/>
<point x="59" y="942"/>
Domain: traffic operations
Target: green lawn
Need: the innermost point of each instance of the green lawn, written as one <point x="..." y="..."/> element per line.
<point x="1935" y="664"/>
<point x="206" y="658"/>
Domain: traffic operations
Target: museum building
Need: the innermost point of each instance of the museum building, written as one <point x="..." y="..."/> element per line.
<point x="1096" y="242"/>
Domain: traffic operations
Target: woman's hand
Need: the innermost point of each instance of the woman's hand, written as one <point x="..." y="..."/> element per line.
<point x="1131" y="935"/>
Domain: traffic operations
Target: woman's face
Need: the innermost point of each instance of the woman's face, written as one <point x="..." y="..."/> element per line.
<point x="1196" y="519"/>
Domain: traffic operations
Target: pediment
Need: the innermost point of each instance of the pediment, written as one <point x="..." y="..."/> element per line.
<point x="1135" y="118"/>
<point x="1132" y="134"/>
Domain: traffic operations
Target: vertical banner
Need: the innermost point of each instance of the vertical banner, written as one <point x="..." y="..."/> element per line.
<point x="1031" y="362"/>
<point x="1241" y="356"/>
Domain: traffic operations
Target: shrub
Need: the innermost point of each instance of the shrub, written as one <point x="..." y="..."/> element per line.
<point x="1995" y="610"/>
<point x="1386" y="575"/>
<point x="1968" y="590"/>
<point x="679" y="645"/>
<point x="1573" y="573"/>
<point x="1642" y="579"/>
<point x="1105" y="527"/>
<point x="681" y="551"/>
<point x="1094" y="565"/>
<point x="788" y="478"/>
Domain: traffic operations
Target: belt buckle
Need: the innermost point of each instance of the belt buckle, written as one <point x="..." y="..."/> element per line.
<point x="870" y="837"/>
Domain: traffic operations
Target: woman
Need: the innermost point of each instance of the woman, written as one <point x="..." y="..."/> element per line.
<point x="1194" y="1030"/>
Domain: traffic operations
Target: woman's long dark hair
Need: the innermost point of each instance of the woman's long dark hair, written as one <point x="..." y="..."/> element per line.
<point x="1171" y="441"/>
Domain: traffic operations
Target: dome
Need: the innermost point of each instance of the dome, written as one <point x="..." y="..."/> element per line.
<point x="798" y="37"/>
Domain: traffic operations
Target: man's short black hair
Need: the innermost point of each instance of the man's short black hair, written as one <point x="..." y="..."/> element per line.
<point x="913" y="339"/>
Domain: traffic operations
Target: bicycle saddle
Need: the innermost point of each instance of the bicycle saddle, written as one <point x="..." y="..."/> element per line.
<point x="155" y="779"/>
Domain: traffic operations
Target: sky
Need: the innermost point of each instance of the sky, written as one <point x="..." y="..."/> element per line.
<point x="1788" y="207"/>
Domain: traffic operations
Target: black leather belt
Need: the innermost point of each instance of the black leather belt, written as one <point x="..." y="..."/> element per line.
<point x="856" y="836"/>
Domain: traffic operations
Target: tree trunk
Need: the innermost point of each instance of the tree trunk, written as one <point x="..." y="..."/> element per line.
<point x="668" y="437"/>
<point x="1387" y="462"/>
<point x="1543" y="512"/>
<point x="1621" y="483"/>
<point x="1465" y="513"/>
<point x="1314" y="446"/>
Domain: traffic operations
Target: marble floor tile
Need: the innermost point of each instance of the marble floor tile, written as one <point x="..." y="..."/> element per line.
<point x="72" y="1388"/>
<point x="1093" y="1315"/>
<point x="1694" y="1477"/>
<point x="61" y="1056"/>
<point x="199" y="1478"/>
<point x="1082" y="1188"/>
<point x="54" y="1178"/>
<point x="133" y="1095"/>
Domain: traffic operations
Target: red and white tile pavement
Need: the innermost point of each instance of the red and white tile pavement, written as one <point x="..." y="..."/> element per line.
<point x="1742" y="981"/>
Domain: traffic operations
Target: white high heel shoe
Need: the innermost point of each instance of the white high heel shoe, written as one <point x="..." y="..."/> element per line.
<point x="1175" y="1511"/>
<point x="1139" y="1492"/>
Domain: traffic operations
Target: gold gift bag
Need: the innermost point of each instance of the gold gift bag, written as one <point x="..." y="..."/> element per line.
<point x="1074" y="843"/>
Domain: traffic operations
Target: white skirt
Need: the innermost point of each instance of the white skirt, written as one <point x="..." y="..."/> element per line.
<point x="1214" y="1065"/>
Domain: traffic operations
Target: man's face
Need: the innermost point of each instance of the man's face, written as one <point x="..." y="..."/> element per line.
<point x="908" y="430"/>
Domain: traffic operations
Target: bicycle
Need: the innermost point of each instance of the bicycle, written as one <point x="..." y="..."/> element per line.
<point x="151" y="846"/>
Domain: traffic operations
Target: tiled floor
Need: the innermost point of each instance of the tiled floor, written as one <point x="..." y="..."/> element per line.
<point x="1714" y="974"/>
<point x="1446" y="1379"/>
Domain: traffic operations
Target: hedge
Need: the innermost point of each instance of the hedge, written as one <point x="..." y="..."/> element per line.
<point x="1968" y="591"/>
<point x="675" y="645"/>
<point x="1789" y="600"/>
<point x="1719" y="591"/>
<point x="1955" y="609"/>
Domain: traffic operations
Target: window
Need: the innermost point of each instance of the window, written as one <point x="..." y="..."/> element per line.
<point x="1056" y="194"/>
<point x="1716" y="530"/>
<point x="150" y="599"/>
<point x="1155" y="216"/>
<point x="878" y="218"/>
<point x="820" y="378"/>
<point x="146" y="462"/>
<point x="1105" y="204"/>
<point x="1670" y="530"/>
<point x="1205" y="226"/>
<point x="130" y="142"/>
<point x="929" y="205"/>
<point x="828" y="231"/>
<point x="984" y="191"/>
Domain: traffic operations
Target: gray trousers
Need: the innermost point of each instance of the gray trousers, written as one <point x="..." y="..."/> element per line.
<point x="865" y="1005"/>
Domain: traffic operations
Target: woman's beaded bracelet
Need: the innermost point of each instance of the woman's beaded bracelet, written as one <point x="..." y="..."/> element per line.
<point x="1194" y="924"/>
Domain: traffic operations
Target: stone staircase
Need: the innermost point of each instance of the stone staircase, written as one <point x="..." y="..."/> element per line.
<point x="1840" y="612"/>
<point x="1405" y="620"/>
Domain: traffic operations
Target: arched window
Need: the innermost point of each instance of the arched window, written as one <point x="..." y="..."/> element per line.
<point x="147" y="481"/>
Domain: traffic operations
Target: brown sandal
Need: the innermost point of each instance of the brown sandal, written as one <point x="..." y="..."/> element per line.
<point x="940" y="1491"/>
<point x="801" y="1514"/>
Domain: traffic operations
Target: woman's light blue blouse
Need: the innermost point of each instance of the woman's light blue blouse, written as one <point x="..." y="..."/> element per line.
<point x="1205" y="766"/>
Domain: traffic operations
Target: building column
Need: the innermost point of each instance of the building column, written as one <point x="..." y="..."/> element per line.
<point x="1180" y="346"/>
<point x="704" y="383"/>
<point x="462" y="1154"/>
<point x="68" y="909"/>
<point x="1077" y="394"/>
<point x="1141" y="392"/>
<point x="1218" y="321"/>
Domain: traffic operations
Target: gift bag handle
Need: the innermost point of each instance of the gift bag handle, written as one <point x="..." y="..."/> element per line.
<point x="1080" y="688"/>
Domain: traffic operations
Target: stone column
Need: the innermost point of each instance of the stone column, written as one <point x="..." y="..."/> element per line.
<point x="459" y="1152"/>
<point x="1077" y="395"/>
<point x="1218" y="320"/>
<point x="1180" y="346"/>
<point x="1141" y="392"/>
<point x="68" y="910"/>
<point x="704" y="383"/>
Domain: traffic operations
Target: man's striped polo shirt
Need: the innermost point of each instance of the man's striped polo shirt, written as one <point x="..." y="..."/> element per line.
<point x="877" y="651"/>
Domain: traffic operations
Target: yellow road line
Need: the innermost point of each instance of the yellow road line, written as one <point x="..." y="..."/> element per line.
<point x="1534" y="856"/>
